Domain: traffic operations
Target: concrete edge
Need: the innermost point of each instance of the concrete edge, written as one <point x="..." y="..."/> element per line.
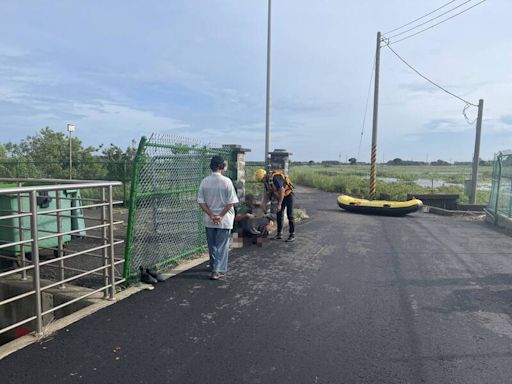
<point x="54" y="326"/>
<point x="447" y="212"/>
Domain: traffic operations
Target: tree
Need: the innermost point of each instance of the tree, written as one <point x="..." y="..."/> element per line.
<point x="440" y="162"/>
<point x="46" y="154"/>
<point x="396" y="161"/>
<point x="119" y="162"/>
<point x="352" y="161"/>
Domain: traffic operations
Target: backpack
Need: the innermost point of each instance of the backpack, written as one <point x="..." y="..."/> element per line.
<point x="288" y="184"/>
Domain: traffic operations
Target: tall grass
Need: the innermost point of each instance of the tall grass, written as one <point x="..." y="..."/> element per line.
<point x="354" y="180"/>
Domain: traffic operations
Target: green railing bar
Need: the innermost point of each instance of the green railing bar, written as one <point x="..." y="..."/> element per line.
<point x="166" y="193"/>
<point x="171" y="146"/>
<point x="166" y="262"/>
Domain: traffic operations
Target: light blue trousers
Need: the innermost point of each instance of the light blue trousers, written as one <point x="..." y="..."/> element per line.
<point x="218" y="248"/>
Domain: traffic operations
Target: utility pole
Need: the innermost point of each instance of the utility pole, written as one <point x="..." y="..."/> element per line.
<point x="267" y="106"/>
<point x="476" y="155"/>
<point x="373" y="165"/>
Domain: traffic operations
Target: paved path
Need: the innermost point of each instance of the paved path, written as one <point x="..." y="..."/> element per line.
<point x="356" y="299"/>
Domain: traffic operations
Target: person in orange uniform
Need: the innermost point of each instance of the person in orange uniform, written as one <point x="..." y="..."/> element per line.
<point x="279" y="187"/>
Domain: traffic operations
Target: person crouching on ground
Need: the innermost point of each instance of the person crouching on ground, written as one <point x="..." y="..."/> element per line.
<point x="244" y="218"/>
<point x="278" y="186"/>
<point x="216" y="198"/>
<point x="248" y="223"/>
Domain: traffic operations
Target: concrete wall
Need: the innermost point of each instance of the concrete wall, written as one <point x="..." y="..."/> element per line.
<point x="19" y="310"/>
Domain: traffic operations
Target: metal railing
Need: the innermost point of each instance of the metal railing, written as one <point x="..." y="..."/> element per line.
<point x="69" y="239"/>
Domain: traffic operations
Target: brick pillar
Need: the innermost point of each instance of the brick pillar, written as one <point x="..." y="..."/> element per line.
<point x="280" y="159"/>
<point x="238" y="161"/>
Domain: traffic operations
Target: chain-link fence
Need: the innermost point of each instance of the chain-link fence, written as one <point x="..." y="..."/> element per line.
<point x="165" y="223"/>
<point x="103" y="169"/>
<point x="500" y="202"/>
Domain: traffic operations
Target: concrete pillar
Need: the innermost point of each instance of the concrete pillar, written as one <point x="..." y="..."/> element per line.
<point x="237" y="163"/>
<point x="280" y="159"/>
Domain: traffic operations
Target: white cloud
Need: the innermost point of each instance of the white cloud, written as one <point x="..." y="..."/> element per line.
<point x="199" y="69"/>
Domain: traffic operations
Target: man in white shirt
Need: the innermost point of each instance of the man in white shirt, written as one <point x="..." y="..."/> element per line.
<point x="216" y="198"/>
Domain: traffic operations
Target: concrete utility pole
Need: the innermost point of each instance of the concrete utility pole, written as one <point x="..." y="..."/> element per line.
<point x="476" y="155"/>
<point x="267" y="117"/>
<point x="373" y="164"/>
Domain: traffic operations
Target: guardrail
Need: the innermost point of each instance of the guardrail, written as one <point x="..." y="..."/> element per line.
<point x="67" y="238"/>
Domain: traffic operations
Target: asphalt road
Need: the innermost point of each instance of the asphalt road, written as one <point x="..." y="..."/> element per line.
<point x="356" y="299"/>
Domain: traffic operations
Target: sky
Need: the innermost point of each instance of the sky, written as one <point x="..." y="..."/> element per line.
<point x="119" y="70"/>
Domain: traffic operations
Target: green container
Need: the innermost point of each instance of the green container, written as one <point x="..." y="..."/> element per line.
<point x="47" y="223"/>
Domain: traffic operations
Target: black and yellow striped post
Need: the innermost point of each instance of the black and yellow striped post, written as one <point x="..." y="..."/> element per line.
<point x="373" y="172"/>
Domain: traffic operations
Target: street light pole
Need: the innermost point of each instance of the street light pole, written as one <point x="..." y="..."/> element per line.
<point x="267" y="105"/>
<point x="71" y="128"/>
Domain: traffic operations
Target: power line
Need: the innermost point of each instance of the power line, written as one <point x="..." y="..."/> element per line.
<point x="434" y="25"/>
<point x="422" y="17"/>
<point x="366" y="109"/>
<point x="429" y="20"/>
<point x="430" y="81"/>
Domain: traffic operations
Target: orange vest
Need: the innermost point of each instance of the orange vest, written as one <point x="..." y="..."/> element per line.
<point x="287" y="183"/>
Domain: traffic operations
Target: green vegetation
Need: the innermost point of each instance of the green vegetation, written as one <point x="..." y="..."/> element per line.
<point x="354" y="179"/>
<point x="46" y="155"/>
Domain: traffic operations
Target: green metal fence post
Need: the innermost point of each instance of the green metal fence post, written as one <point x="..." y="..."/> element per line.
<point x="496" y="213"/>
<point x="132" y="207"/>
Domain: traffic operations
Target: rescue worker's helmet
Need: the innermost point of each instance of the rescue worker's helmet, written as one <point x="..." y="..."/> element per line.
<point x="260" y="174"/>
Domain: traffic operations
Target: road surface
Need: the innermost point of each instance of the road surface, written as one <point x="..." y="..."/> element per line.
<point x="355" y="299"/>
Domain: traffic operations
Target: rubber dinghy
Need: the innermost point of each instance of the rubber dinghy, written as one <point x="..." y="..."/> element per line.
<point x="379" y="207"/>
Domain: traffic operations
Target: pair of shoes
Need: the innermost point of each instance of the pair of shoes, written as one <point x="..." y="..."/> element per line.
<point x="150" y="277"/>
<point x="145" y="277"/>
<point x="155" y="275"/>
<point x="290" y="238"/>
<point x="215" y="276"/>
<point x="278" y="236"/>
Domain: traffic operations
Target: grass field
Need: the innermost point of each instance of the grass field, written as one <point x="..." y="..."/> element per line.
<point x="393" y="182"/>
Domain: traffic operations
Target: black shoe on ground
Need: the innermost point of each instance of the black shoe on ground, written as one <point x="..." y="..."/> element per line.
<point x="155" y="275"/>
<point x="146" y="277"/>
<point x="278" y="237"/>
<point x="290" y="238"/>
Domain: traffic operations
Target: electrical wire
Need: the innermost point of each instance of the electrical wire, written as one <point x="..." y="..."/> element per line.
<point x="422" y="17"/>
<point x="467" y="105"/>
<point x="366" y="109"/>
<point x="430" y="81"/>
<point x="466" y="116"/>
<point x="429" y="20"/>
<point x="434" y="25"/>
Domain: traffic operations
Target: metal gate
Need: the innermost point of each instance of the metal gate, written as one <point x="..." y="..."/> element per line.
<point x="165" y="223"/>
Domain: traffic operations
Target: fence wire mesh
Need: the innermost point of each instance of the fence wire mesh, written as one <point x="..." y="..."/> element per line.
<point x="500" y="202"/>
<point x="165" y="222"/>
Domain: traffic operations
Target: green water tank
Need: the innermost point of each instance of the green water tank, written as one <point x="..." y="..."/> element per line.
<point x="47" y="223"/>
